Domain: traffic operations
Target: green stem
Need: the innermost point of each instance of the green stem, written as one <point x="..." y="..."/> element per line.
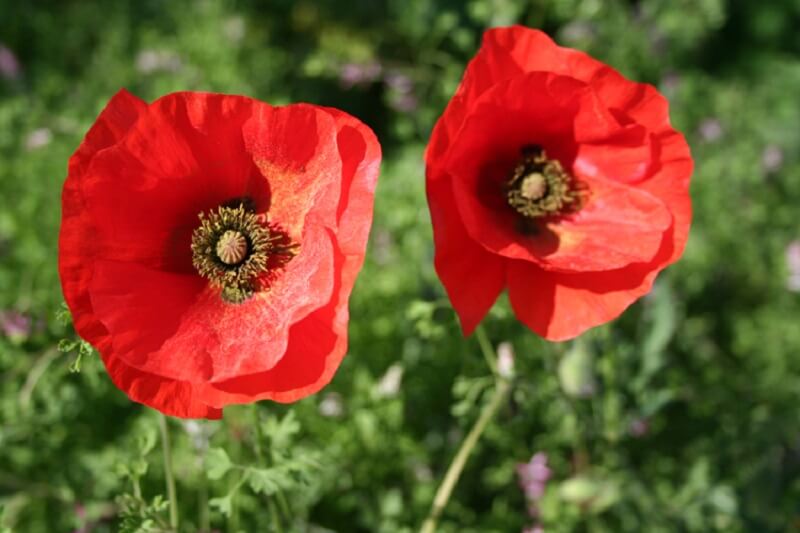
<point x="171" y="494"/>
<point x="202" y="502"/>
<point x="259" y="436"/>
<point x="486" y="348"/>
<point x="460" y="460"/>
<point x="276" y="523"/>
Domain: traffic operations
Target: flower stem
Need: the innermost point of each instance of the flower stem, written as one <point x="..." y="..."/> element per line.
<point x="171" y="494"/>
<point x="486" y="348"/>
<point x="459" y="461"/>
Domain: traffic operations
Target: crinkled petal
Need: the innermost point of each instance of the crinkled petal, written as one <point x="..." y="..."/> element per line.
<point x="504" y="54"/>
<point x="146" y="192"/>
<point x="294" y="147"/>
<point x="560" y="306"/>
<point x="318" y="343"/>
<point x="171" y="397"/>
<point x="77" y="243"/>
<point x="175" y="326"/>
<point x="76" y="259"/>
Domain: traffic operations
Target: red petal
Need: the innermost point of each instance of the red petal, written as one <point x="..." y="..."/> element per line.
<point x="76" y="254"/>
<point x="318" y="343"/>
<point x="77" y="243"/>
<point x="504" y="54"/>
<point x="173" y="398"/>
<point x="670" y="183"/>
<point x="173" y="326"/>
<point x="472" y="276"/>
<point x="560" y="306"/>
<point x="631" y="101"/>
<point x="145" y="193"/>
<point x="294" y="147"/>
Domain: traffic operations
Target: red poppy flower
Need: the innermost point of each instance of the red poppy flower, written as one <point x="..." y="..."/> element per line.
<point x="553" y="176"/>
<point x="209" y="244"/>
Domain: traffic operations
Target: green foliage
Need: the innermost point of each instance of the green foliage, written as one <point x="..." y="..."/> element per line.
<point x="680" y="416"/>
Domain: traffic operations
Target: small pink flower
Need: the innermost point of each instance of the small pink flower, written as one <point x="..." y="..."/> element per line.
<point x="793" y="265"/>
<point x="15" y="325"/>
<point x="353" y="74"/>
<point x="711" y="130"/>
<point x="772" y="158"/>
<point x="9" y="64"/>
<point x="533" y="477"/>
<point x="639" y="427"/>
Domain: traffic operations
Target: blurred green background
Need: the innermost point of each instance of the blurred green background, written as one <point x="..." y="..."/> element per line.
<point x="683" y="415"/>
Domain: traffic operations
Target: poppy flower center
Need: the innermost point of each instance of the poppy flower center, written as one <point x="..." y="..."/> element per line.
<point x="540" y="187"/>
<point x="234" y="248"/>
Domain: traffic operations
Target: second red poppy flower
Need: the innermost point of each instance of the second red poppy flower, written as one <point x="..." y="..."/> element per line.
<point x="551" y="175"/>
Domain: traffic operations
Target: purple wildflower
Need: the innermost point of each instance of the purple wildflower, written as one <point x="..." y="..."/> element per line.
<point x="401" y="91"/>
<point x="9" y="64"/>
<point x="14" y="325"/>
<point x="711" y="130"/>
<point x="772" y="158"/>
<point x="639" y="427"/>
<point x="669" y="84"/>
<point x="533" y="476"/>
<point x="353" y="74"/>
<point x="404" y="102"/>
<point x="398" y="82"/>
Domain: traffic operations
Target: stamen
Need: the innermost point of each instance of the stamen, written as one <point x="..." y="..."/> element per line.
<point x="236" y="251"/>
<point x="540" y="187"/>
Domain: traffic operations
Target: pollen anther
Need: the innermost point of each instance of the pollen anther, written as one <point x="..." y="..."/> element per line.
<point x="540" y="187"/>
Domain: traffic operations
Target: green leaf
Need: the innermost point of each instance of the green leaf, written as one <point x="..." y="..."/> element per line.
<point x="268" y="480"/>
<point x="281" y="431"/>
<point x="217" y="463"/>
<point x="579" y="490"/>
<point x="146" y="441"/>
<point x="595" y="493"/>
<point x="138" y="468"/>
<point x="224" y="504"/>
<point x="66" y="345"/>
<point x="63" y="316"/>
